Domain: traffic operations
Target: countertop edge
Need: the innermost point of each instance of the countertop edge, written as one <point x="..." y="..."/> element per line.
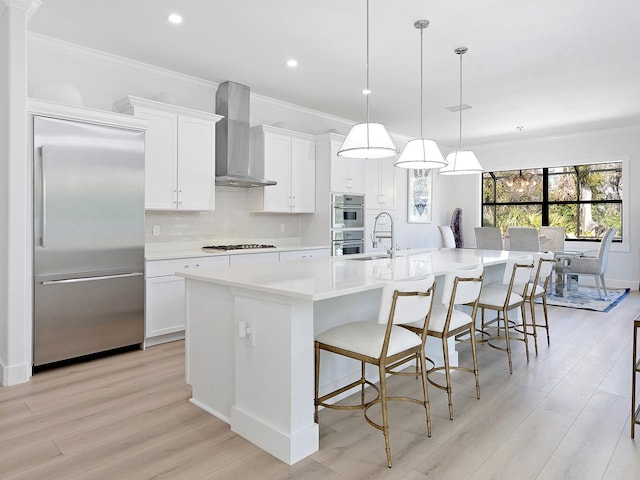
<point x="195" y="252"/>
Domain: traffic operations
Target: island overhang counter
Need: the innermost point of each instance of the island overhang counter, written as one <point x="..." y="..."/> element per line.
<point x="250" y="332"/>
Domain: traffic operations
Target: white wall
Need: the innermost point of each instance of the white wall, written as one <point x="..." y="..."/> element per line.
<point x="589" y="147"/>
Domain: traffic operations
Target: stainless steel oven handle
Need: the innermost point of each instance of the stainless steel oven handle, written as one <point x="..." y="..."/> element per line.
<point x="91" y="279"/>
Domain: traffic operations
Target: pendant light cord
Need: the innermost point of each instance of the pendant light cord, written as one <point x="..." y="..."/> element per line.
<point x="421" y="81"/>
<point x="460" y="53"/>
<point x="367" y="87"/>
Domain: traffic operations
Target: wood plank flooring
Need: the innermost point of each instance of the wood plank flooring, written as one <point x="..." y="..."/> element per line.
<point x="564" y="415"/>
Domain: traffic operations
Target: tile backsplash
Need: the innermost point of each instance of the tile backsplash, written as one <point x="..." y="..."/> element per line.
<point x="231" y="222"/>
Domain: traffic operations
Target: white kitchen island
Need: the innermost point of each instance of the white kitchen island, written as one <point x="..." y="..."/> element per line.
<point x="250" y="332"/>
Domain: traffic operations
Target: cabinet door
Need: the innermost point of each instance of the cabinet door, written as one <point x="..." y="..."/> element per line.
<point x="347" y="174"/>
<point x="164" y="305"/>
<point x="303" y="175"/>
<point x="160" y="159"/>
<point x="380" y="183"/>
<point x="277" y="163"/>
<point x="196" y="164"/>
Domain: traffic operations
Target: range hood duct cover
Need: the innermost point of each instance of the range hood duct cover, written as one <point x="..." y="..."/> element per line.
<point x="234" y="165"/>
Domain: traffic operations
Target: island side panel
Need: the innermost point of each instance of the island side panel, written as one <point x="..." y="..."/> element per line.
<point x="274" y="375"/>
<point x="209" y="347"/>
<point x="337" y="370"/>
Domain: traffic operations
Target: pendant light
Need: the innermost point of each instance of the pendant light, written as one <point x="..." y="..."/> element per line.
<point x="461" y="162"/>
<point x="368" y="140"/>
<point x="421" y="153"/>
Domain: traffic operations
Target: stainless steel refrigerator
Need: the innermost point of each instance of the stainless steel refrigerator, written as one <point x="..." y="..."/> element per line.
<point x="88" y="239"/>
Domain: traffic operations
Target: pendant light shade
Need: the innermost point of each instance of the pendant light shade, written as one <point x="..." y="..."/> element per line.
<point x="421" y="153"/>
<point x="461" y="162"/>
<point x="368" y="140"/>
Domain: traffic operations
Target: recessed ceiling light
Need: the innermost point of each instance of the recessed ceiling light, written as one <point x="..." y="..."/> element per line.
<point x="292" y="63"/>
<point x="175" y="18"/>
<point x="366" y="91"/>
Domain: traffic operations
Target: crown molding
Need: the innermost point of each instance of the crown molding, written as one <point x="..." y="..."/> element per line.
<point x="36" y="106"/>
<point x="29" y="6"/>
<point x="129" y="103"/>
<point x="36" y="40"/>
<point x="43" y="42"/>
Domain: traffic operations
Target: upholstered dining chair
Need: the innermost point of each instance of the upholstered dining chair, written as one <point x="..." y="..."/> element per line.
<point x="448" y="240"/>
<point x="552" y="239"/>
<point x="461" y="287"/>
<point x="523" y="239"/>
<point x="384" y="344"/>
<point x="504" y="296"/>
<point x="488" y="238"/>
<point x="594" y="266"/>
<point x="539" y="283"/>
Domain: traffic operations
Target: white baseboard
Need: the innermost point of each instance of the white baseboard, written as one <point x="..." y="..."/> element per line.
<point x="15" y="374"/>
<point x="169" y="337"/>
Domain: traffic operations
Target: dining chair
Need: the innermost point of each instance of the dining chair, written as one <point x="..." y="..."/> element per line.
<point x="539" y="283"/>
<point x="523" y="239"/>
<point x="461" y="287"/>
<point x="488" y="238"/>
<point x="504" y="296"/>
<point x="448" y="240"/>
<point x="552" y="239"/>
<point x="594" y="266"/>
<point x="384" y="344"/>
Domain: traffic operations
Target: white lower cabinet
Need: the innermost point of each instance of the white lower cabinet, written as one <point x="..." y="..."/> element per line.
<point x="165" y="296"/>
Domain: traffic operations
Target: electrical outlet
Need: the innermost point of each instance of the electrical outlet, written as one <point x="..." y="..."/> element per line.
<point x="282" y="228"/>
<point x="156" y="230"/>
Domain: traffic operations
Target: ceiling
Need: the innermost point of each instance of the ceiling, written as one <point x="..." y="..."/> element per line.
<point x="548" y="66"/>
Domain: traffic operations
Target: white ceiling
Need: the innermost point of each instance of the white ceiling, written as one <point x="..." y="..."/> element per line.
<point x="550" y="66"/>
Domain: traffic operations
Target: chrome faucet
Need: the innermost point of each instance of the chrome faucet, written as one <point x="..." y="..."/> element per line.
<point x="377" y="235"/>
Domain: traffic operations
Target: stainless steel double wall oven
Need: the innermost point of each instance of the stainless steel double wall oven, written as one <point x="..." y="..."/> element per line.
<point x="347" y="224"/>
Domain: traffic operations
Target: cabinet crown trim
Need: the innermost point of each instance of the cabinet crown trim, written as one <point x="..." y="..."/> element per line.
<point x="130" y="102"/>
<point x="283" y="131"/>
<point x="36" y="106"/>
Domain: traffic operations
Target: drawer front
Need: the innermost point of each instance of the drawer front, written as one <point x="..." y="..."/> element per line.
<point x="304" y="254"/>
<point x="248" y="258"/>
<point x="159" y="268"/>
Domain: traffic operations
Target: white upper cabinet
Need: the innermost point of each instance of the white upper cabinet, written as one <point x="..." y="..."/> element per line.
<point x="381" y="189"/>
<point x="347" y="174"/>
<point x="289" y="159"/>
<point x="179" y="155"/>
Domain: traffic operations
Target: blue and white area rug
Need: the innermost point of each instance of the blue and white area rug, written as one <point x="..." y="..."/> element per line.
<point x="587" y="298"/>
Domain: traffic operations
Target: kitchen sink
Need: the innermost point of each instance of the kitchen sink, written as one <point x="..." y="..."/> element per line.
<point x="369" y="257"/>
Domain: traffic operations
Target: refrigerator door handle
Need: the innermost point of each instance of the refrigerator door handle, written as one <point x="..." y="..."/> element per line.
<point x="44" y="199"/>
<point x="90" y="279"/>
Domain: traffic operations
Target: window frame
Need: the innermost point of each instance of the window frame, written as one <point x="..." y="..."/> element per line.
<point x="545" y="202"/>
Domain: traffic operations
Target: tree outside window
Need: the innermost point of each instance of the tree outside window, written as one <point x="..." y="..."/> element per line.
<point x="585" y="199"/>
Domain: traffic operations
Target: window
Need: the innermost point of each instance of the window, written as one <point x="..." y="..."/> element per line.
<point x="585" y="199"/>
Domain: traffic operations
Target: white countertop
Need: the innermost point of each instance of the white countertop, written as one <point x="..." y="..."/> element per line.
<point x="322" y="278"/>
<point x="172" y="250"/>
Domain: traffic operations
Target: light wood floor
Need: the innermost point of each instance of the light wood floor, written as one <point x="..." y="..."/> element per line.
<point x="563" y="415"/>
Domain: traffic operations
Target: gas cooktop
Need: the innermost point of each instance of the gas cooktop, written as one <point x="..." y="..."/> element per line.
<point x="241" y="246"/>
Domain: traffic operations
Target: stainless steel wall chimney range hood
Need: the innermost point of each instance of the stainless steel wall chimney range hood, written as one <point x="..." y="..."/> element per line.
<point x="234" y="165"/>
